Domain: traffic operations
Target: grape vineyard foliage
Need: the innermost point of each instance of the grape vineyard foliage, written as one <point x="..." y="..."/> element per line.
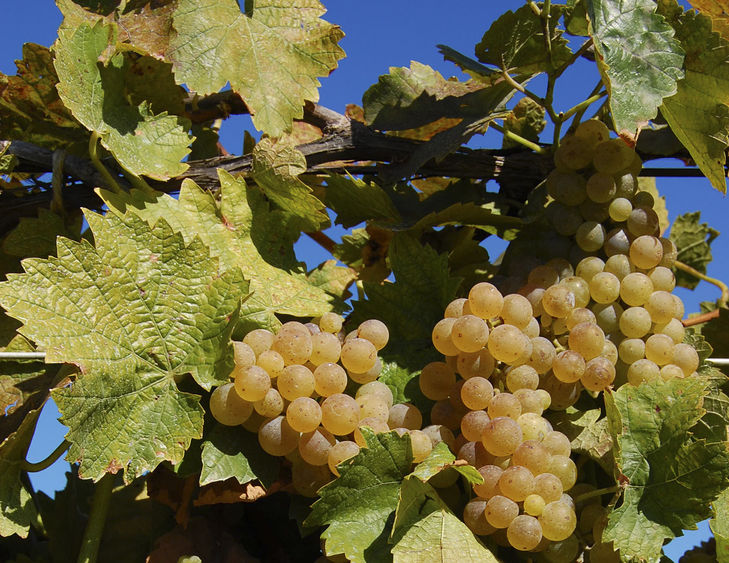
<point x="411" y="399"/>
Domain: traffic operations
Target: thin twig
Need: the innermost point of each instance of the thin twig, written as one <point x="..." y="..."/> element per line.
<point x="519" y="139"/>
<point x="110" y="181"/>
<point x="57" y="182"/>
<point x="34" y="467"/>
<point x="596" y="493"/>
<point x="322" y="240"/>
<point x="702" y="318"/>
<point x="718" y="283"/>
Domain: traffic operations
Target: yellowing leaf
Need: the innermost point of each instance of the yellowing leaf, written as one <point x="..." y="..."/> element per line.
<point x="272" y="54"/>
<point x="718" y="11"/>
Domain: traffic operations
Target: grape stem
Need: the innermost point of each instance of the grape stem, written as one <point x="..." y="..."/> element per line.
<point x="33" y="467"/>
<point x="718" y="283"/>
<point x="519" y="139"/>
<point x="97" y="519"/>
<point x="59" y="156"/>
<point x="596" y="493"/>
<point x="93" y="142"/>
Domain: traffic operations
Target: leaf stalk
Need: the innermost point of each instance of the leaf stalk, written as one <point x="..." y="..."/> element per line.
<point x="97" y="519"/>
<point x="519" y="139"/>
<point x="112" y="183"/>
<point x="34" y="467"/>
<point x="596" y="493"/>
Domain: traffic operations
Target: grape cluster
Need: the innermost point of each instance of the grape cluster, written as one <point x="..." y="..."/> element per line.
<point x="291" y="388"/>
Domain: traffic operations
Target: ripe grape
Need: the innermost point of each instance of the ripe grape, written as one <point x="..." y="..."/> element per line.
<point x="421" y="445"/>
<point x="325" y="348"/>
<point x="524" y="532"/>
<point x="404" y="415"/>
<point x="475" y="518"/>
<point x="339" y="414"/>
<point x="504" y="404"/>
<point x="500" y="511"/>
<point x="586" y="339"/>
<point x="259" y="340"/>
<point x="277" y="437"/>
<point x="604" y="287"/>
<point x="470" y="333"/>
<point x="590" y="236"/>
<point x="522" y="377"/>
<point x="568" y="366"/>
<point x="476" y="393"/>
<point x="516" y="482"/>
<point x="646" y="252"/>
<point x="516" y="310"/>
<point x="502" y="436"/>
<point x="271" y="405"/>
<point x="252" y="383"/>
<point x="340" y="452"/>
<point x="296" y="381"/>
<point x="331" y="322"/>
<point x="506" y="343"/>
<point x="329" y="378"/>
<point x="485" y="301"/>
<point x="436" y="380"/>
<point x="558" y="521"/>
<point x="374" y="424"/>
<point x="358" y="355"/>
<point x="227" y="407"/>
<point x="642" y="371"/>
<point x="442" y="337"/>
<point x="314" y="446"/>
<point x="473" y="424"/>
<point x="272" y="362"/>
<point x="303" y="414"/>
<point x="620" y="209"/>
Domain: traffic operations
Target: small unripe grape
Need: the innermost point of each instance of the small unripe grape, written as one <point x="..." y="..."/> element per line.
<point x="340" y="452"/>
<point x="227" y="407"/>
<point x="534" y="504"/>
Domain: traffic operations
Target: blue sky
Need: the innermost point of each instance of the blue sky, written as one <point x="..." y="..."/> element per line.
<point x="386" y="33"/>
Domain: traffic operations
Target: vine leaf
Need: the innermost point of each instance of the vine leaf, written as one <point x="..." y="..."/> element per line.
<point x="30" y="108"/>
<point x="718" y="11"/>
<point x="272" y="54"/>
<point x="276" y="167"/>
<point x="699" y="112"/>
<point x="358" y="507"/>
<point x="134" y="313"/>
<point x="638" y="58"/>
<point x="671" y="476"/>
<point x="588" y="433"/>
<point x="426" y="530"/>
<point x="36" y="236"/>
<point x="720" y="526"/>
<point x="247" y="235"/>
<point x="228" y="452"/>
<point x="142" y="142"/>
<point x="355" y="201"/>
<point x="515" y="43"/>
<point x="442" y="459"/>
<point x="693" y="240"/>
<point x="16" y="504"/>
<point x="145" y="25"/>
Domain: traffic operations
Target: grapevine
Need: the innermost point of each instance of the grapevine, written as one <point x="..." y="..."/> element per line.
<point x="411" y="398"/>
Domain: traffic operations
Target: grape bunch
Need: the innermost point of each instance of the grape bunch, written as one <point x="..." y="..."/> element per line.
<point x="291" y="389"/>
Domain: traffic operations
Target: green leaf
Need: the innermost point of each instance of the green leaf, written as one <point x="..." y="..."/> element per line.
<point x="720" y="526"/>
<point x="670" y="476"/>
<point x="718" y="11"/>
<point x="355" y="201"/>
<point x="440" y="459"/>
<point x="638" y="57"/>
<point x="359" y="506"/>
<point x="151" y="80"/>
<point x="526" y="120"/>
<point x="335" y="280"/>
<point x="400" y="371"/>
<point x="229" y="451"/>
<point x="142" y="142"/>
<point x="134" y="313"/>
<point x="693" y="240"/>
<point x="468" y="65"/>
<point x="246" y="235"/>
<point x="276" y="167"/>
<point x="30" y="108"/>
<point x="36" y="236"/>
<point x="426" y="530"/>
<point x="515" y="42"/>
<point x="699" y="112"/>
<point x="16" y="504"/>
<point x="485" y="217"/>
<point x="588" y="433"/>
<point x="412" y="305"/>
<point x="271" y="54"/>
<point x="407" y="98"/>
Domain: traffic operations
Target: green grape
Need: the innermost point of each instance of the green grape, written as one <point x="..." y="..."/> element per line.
<point x="375" y="331"/>
<point x="331" y="322"/>
<point x="635" y="322"/>
<point x="670" y="253"/>
<point x="620" y="209"/>
<point x="475" y="518"/>
<point x="469" y="333"/>
<point x="643" y="371"/>
<point x="227" y="407"/>
<point x="566" y="187"/>
<point x="533" y="505"/>
<point x="588" y="267"/>
<point x="438" y="433"/>
<point x="507" y="343"/>
<point x="607" y="316"/>
<point x="643" y="221"/>
<point x="516" y="311"/>
<point x="314" y="446"/>
<point x="533" y="426"/>
<point x="671" y="371"/>
<point x="259" y="340"/>
<point x="590" y="236"/>
<point x="564" y="469"/>
<point x="646" y="252"/>
<point x="635" y="289"/>
<point x="339" y="453"/>
<point x="329" y="378"/>
<point x="568" y="366"/>
<point x="307" y="479"/>
<point x="659" y="349"/>
<point x="661" y="307"/>
<point x="601" y="188"/>
<point x="626" y="184"/>
<point x="592" y="132"/>
<point x="421" y="445"/>
<point x="303" y="414"/>
<point x="612" y="156"/>
<point x="524" y="532"/>
<point x="252" y="383"/>
<point x="643" y="199"/>
<point x="272" y="362"/>
<point x="485" y="301"/>
<point x="573" y="153"/>
<point x="504" y="404"/>
<point x="617" y="243"/>
<point x="619" y="265"/>
<point x="557" y="443"/>
<point x="500" y="511"/>
<point x="599" y="374"/>
<point x="271" y="405"/>
<point x="631" y="350"/>
<point x="604" y="287"/>
<point x="476" y="393"/>
<point x="276" y="437"/>
<point x="436" y="380"/>
<point x="358" y="355"/>
<point x="543" y="354"/>
<point x="565" y="220"/>
<point x="473" y="424"/>
<point x="673" y="328"/>
<point x="296" y="381"/>
<point x="502" y="436"/>
<point x="441" y="337"/>
<point x="339" y="414"/>
<point x="558" y="521"/>
<point x="586" y="339"/>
